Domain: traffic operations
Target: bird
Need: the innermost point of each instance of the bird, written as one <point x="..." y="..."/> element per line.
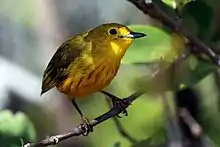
<point x="87" y="63"/>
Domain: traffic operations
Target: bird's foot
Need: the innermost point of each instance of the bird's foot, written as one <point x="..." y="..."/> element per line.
<point x="86" y="127"/>
<point x="120" y="104"/>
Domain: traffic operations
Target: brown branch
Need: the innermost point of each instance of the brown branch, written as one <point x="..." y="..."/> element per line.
<point x="155" y="12"/>
<point x="78" y="130"/>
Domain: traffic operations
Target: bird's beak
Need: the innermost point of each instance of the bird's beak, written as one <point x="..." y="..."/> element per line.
<point x="135" y="35"/>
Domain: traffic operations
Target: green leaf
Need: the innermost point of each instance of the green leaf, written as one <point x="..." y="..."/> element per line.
<point x="14" y="127"/>
<point x="176" y="3"/>
<point x="168" y="2"/>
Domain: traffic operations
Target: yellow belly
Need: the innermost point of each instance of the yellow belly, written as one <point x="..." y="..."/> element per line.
<point x="88" y="82"/>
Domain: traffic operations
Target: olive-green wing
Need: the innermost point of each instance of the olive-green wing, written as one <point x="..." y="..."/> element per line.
<point x="56" y="71"/>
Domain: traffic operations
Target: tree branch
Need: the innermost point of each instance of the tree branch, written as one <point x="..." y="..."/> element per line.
<point x="78" y="130"/>
<point x="154" y="11"/>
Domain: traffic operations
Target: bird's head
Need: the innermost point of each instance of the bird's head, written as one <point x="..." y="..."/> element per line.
<point x="117" y="36"/>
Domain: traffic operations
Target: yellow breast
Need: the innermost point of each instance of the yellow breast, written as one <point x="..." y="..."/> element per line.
<point x="88" y="82"/>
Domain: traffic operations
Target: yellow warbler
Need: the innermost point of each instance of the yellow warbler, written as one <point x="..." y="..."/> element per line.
<point x="87" y="63"/>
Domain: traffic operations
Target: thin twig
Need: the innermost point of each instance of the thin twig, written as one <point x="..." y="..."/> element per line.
<point x="154" y="11"/>
<point x="120" y="128"/>
<point x="78" y="130"/>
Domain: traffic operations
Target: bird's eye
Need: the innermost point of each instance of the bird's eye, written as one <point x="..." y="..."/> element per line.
<point x="113" y="32"/>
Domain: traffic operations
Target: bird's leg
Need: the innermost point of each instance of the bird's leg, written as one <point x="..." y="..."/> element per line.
<point x="117" y="102"/>
<point x="87" y="127"/>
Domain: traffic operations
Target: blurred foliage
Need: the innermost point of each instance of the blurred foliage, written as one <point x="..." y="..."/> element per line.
<point x="176" y="3"/>
<point x="14" y="127"/>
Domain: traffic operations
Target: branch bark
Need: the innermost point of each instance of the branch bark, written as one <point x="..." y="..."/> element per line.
<point x="78" y="130"/>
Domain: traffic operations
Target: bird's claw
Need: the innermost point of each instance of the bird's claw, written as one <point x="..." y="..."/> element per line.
<point x="86" y="127"/>
<point x="120" y="104"/>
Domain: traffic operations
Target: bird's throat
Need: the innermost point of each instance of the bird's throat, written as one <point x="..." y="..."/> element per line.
<point x="118" y="49"/>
